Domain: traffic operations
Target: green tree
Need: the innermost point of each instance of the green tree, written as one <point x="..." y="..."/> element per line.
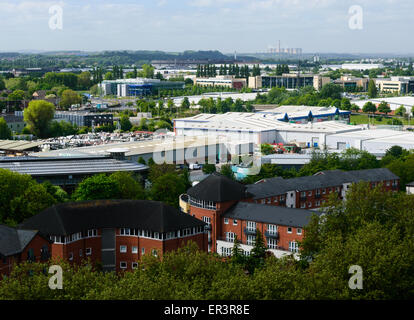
<point x="2" y="84"/>
<point x="21" y="197"/>
<point x="226" y="170"/>
<point x="330" y="90"/>
<point x="266" y="149"/>
<point x="5" y="132"/>
<point x="345" y="104"/>
<point x="69" y="98"/>
<point x="372" y="89"/>
<point x="84" y="80"/>
<point x="209" y="168"/>
<point x="109" y="76"/>
<point x="369" y="107"/>
<point x="97" y="187"/>
<point x="16" y="95"/>
<point x="400" y="111"/>
<point x="257" y="254"/>
<point x="158" y="170"/>
<point x="130" y="186"/>
<point x="167" y="188"/>
<point x="384" y="107"/>
<point x="38" y="115"/>
<point x="126" y="125"/>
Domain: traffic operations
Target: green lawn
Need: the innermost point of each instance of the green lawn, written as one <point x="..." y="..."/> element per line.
<point x="363" y="119"/>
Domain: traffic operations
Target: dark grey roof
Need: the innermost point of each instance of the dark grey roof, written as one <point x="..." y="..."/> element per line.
<point x="277" y="215"/>
<point x="13" y="241"/>
<point x="323" y="179"/>
<point x="68" y="218"/>
<point x="411" y="184"/>
<point x="218" y="188"/>
<point x="64" y="166"/>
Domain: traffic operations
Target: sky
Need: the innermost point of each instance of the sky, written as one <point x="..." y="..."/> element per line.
<point x="245" y="26"/>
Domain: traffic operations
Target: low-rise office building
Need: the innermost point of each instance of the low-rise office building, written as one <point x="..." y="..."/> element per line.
<point x="289" y="81"/>
<point x="349" y="83"/>
<point x="400" y="85"/>
<point x="221" y="81"/>
<point x="138" y="87"/>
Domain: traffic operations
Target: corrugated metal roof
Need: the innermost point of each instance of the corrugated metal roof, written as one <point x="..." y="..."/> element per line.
<point x="48" y="167"/>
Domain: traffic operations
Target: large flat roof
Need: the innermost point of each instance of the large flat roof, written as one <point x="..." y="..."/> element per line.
<point x="257" y="122"/>
<point x="18" y="145"/>
<point x="72" y="166"/>
<point x="132" y="148"/>
<point x="375" y="134"/>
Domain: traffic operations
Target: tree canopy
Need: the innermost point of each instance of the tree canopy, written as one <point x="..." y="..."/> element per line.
<point x="38" y="115"/>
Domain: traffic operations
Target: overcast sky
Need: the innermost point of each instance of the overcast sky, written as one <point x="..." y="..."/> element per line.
<point x="225" y="25"/>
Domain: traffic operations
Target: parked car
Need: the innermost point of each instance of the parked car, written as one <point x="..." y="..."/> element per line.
<point x="195" y="166"/>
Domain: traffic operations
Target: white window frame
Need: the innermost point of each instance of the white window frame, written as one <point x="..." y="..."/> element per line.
<point x="70" y="256"/>
<point x="271" y="243"/>
<point x="230" y="236"/>
<point x="134" y="249"/>
<point x="226" y="220"/>
<point x="251" y="225"/>
<point x="121" y="263"/>
<point x="134" y="265"/>
<point x="289" y="228"/>
<point x="88" y="251"/>
<point x="250" y="240"/>
<point x="293" y="246"/>
<point x="142" y="251"/>
<point x="298" y="230"/>
<point x="271" y="228"/>
<point x="235" y="222"/>
<point x="123" y="246"/>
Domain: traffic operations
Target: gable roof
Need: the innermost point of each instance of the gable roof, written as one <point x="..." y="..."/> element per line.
<point x="277" y="215"/>
<point x="13" y="241"/>
<point x="218" y="188"/>
<point x="324" y="179"/>
<point x="68" y="218"/>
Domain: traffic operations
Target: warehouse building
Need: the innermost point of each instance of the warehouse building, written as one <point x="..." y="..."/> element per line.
<point x="305" y="114"/>
<point x="178" y="150"/>
<point x="67" y="172"/>
<point x="374" y="141"/>
<point x="259" y="128"/>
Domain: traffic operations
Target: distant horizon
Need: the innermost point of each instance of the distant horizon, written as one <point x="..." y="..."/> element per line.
<point x="366" y="54"/>
<point x="246" y="26"/>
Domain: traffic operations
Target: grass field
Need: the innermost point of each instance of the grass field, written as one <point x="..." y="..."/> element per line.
<point x="363" y="119"/>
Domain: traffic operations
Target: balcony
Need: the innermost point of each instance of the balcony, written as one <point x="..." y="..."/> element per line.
<point x="249" y="231"/>
<point x="274" y="235"/>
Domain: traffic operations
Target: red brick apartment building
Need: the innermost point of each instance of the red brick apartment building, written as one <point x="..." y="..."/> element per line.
<point x="279" y="208"/>
<point x="115" y="233"/>
<point x="21" y="245"/>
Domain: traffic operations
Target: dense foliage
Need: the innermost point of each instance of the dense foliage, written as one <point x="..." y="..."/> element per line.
<point x="371" y="229"/>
